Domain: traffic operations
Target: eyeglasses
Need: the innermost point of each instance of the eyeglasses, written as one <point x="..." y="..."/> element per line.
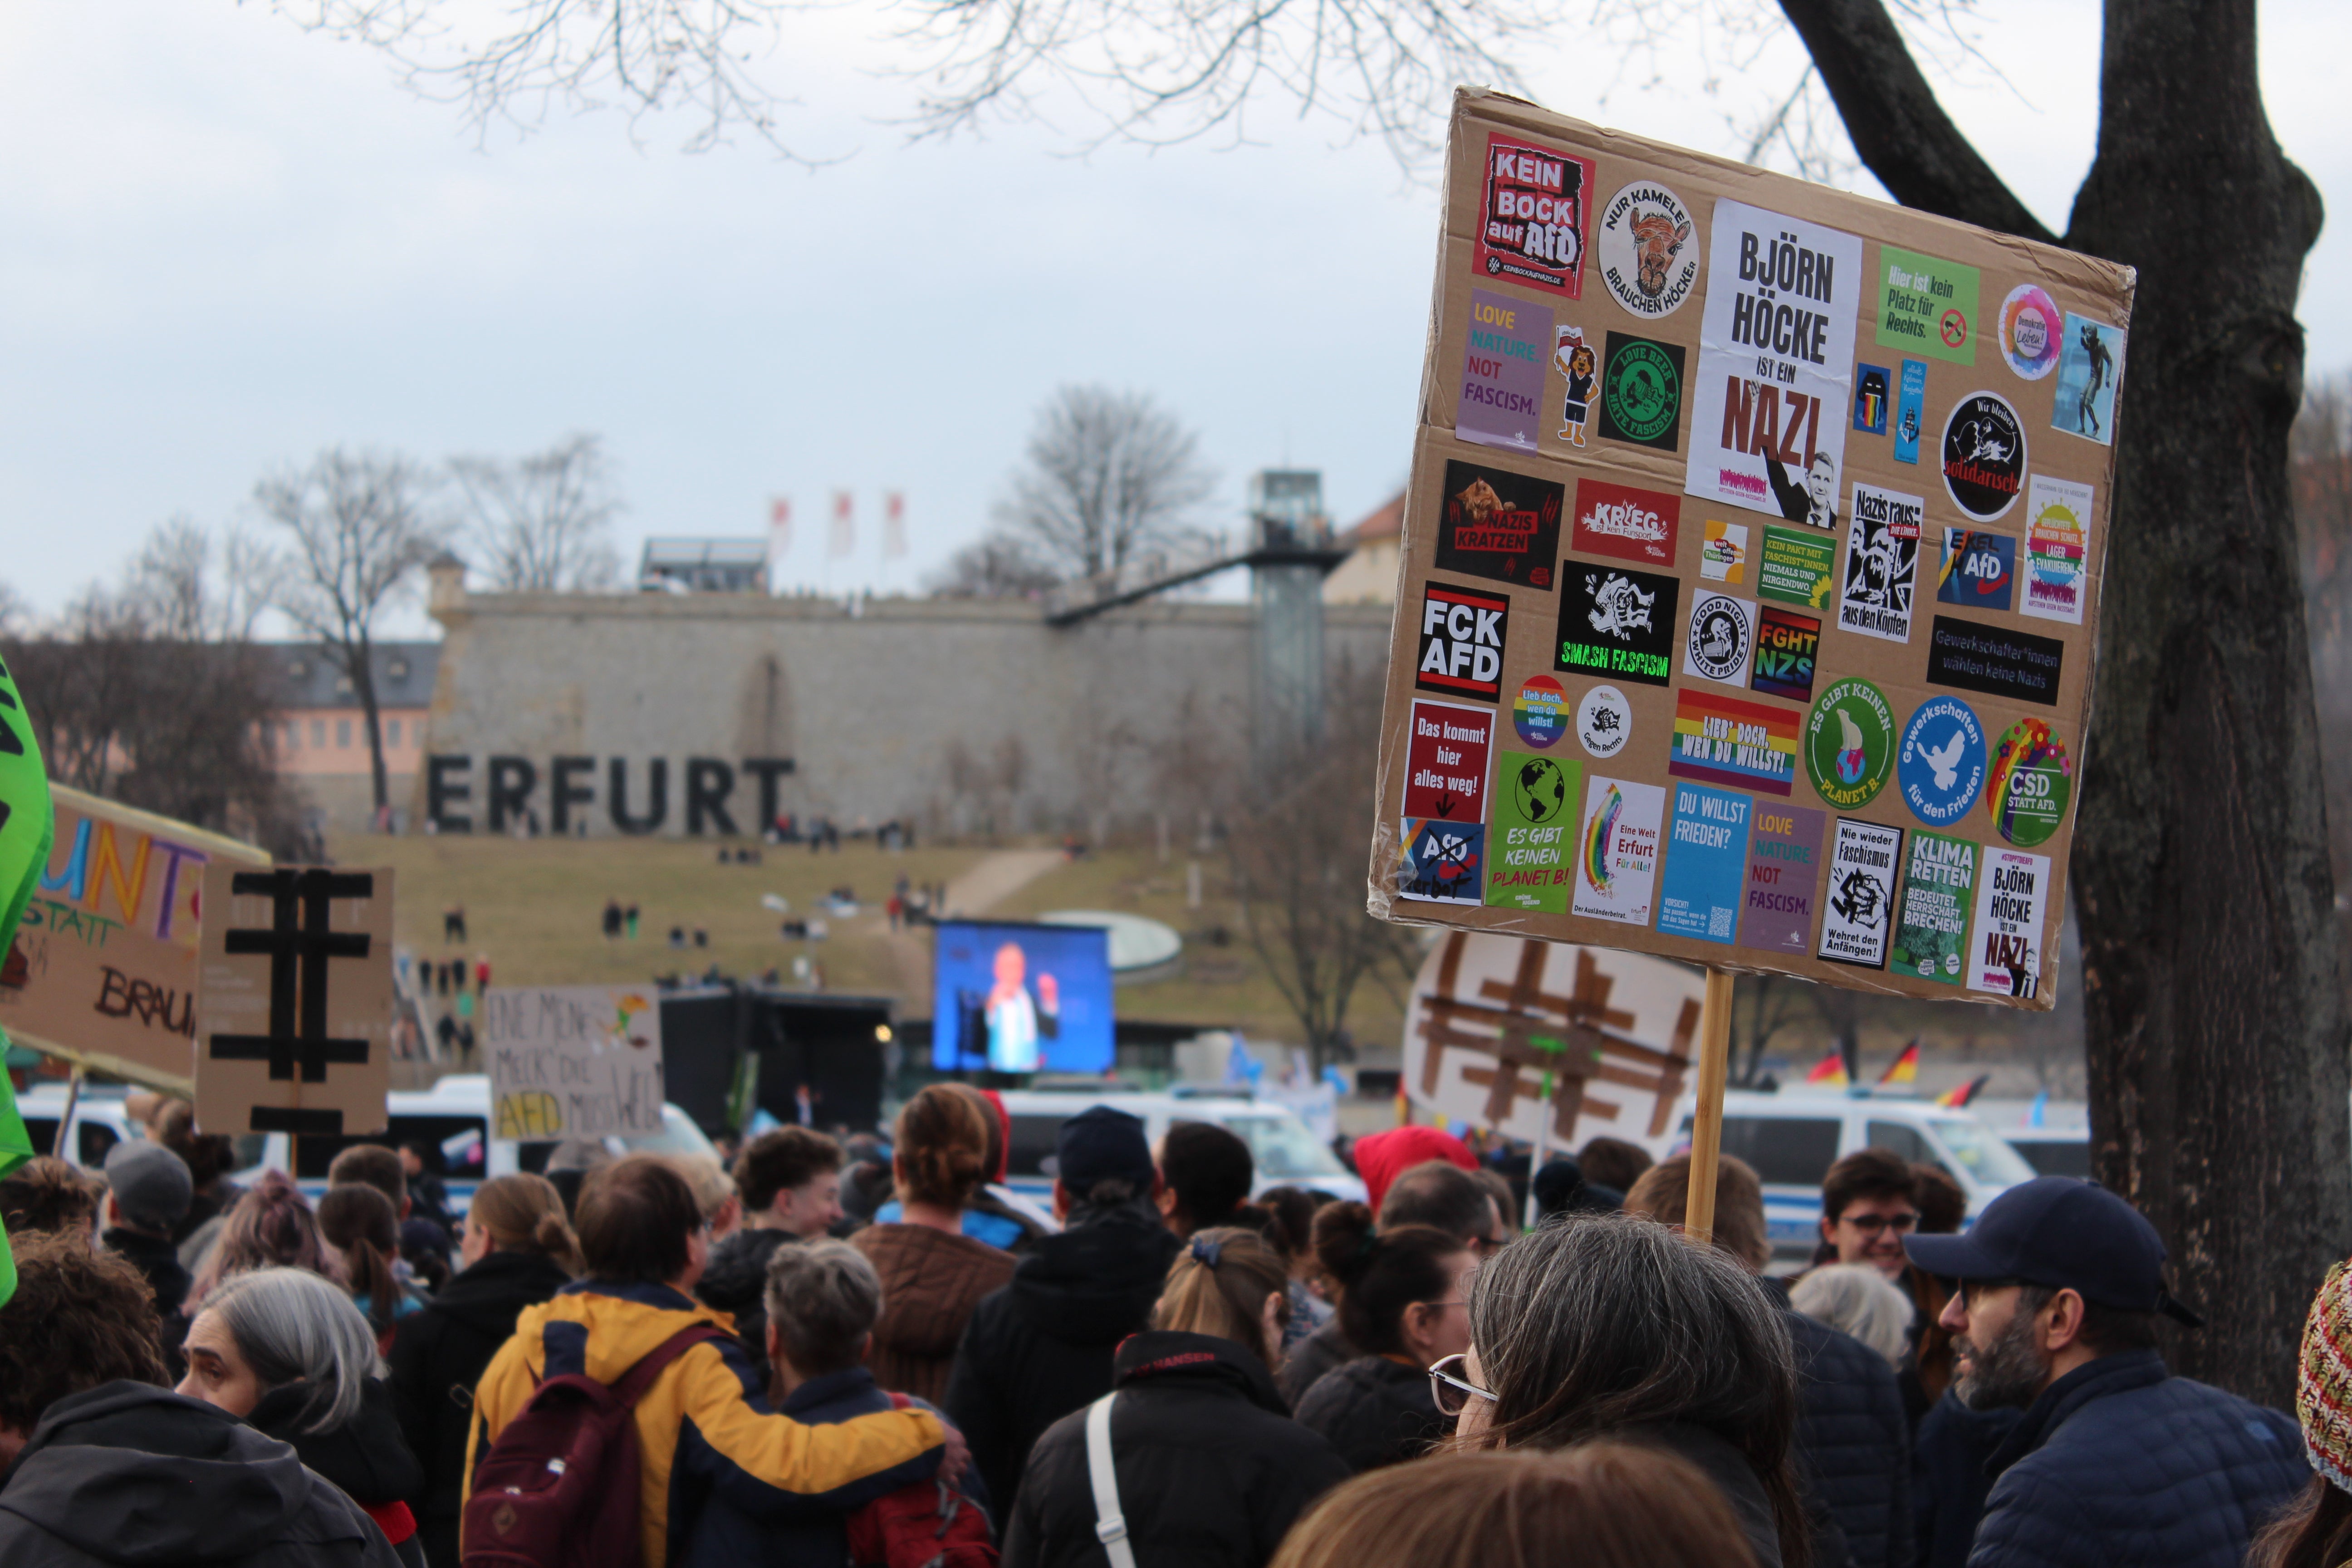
<point x="1451" y="1393"/>
<point x="1871" y="1224"/>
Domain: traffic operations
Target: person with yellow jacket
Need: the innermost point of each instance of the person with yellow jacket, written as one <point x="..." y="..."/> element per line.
<point x="704" y="1426"/>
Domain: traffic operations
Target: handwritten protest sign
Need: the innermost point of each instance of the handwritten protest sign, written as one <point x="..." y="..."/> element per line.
<point x="294" y="1000"/>
<point x="1827" y="582"/>
<point x="103" y="972"/>
<point x="572" y="1061"/>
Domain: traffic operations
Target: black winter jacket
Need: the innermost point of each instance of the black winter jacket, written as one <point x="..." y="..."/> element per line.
<point x="1949" y="1483"/>
<point x="1374" y="1411"/>
<point x="2118" y="1462"/>
<point x="130" y="1474"/>
<point x="159" y="1261"/>
<point x="1211" y="1471"/>
<point x="1041" y="1347"/>
<point x="1853" y="1442"/>
<point x="438" y="1354"/>
<point x="1312" y="1359"/>
<point x="365" y="1456"/>
<point x="736" y="1281"/>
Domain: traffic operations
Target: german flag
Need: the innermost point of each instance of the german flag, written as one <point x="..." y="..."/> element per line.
<point x="1905" y="1068"/>
<point x="1829" y="1071"/>
<point x="1957" y="1099"/>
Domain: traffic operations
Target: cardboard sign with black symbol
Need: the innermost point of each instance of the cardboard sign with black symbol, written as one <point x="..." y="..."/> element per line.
<point x="294" y="1001"/>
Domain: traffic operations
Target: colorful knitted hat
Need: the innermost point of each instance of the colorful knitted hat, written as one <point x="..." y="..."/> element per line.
<point x="2323" y="1387"/>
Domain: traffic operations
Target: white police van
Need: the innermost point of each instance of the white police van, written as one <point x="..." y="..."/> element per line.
<point x="1285" y="1150"/>
<point x="99" y="1121"/>
<point x="1792" y="1139"/>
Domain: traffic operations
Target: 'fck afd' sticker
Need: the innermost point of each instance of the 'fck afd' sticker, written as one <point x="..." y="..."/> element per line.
<point x="1462" y="633"/>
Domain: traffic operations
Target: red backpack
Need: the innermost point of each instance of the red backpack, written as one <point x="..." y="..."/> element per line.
<point x="559" y="1488"/>
<point x="924" y="1524"/>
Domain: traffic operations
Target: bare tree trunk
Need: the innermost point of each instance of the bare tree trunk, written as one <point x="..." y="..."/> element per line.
<point x="2214" y="1007"/>
<point x="361" y="654"/>
<point x="2213" y="1000"/>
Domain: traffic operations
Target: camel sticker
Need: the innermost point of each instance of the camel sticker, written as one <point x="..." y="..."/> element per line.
<point x="1649" y="250"/>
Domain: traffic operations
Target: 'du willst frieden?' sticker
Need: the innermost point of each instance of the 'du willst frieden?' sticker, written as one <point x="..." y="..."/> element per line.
<point x="25" y="830"/>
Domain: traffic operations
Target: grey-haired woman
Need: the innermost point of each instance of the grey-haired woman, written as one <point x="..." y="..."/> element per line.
<point x="290" y="1354"/>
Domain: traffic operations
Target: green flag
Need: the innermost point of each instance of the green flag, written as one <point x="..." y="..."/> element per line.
<point x="27" y="825"/>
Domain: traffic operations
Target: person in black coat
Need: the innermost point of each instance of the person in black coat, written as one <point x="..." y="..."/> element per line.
<point x="290" y="1356"/>
<point x="102" y="1467"/>
<point x="1210" y="1471"/>
<point x="1403" y="1300"/>
<point x="518" y="1251"/>
<point x="148" y="1190"/>
<point x="1041" y="1347"/>
<point x="1949" y="1484"/>
<point x="1853" y="1439"/>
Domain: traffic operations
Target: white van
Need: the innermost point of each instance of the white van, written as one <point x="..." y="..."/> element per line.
<point x="1793" y="1138"/>
<point x="1285" y="1151"/>
<point x="452" y="1119"/>
<point x="99" y="1121"/>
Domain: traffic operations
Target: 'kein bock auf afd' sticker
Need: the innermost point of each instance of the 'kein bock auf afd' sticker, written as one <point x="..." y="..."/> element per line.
<point x="1858" y="916"/>
<point x="1776" y="356"/>
<point x="1534" y="228"/>
<point x="1849" y="743"/>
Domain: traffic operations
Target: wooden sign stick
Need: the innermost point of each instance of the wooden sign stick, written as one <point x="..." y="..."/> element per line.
<point x="1706" y="1119"/>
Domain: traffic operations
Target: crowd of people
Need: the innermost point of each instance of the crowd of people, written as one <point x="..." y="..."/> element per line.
<point x="866" y="1351"/>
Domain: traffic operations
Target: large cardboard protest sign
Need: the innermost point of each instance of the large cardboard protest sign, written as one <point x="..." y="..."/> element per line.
<point x="103" y="971"/>
<point x="294" y="1000"/>
<point x="572" y="1061"/>
<point x="1542" y="1041"/>
<point x="1767" y="642"/>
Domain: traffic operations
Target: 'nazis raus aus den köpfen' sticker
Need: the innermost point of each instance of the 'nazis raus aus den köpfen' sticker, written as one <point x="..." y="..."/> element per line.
<point x="1858" y="914"/>
<point x="1463" y="633"/>
<point x="1882" y="564"/>
<point x="1617" y="623"/>
<point x="2013" y="903"/>
<point x="1776" y="356"/>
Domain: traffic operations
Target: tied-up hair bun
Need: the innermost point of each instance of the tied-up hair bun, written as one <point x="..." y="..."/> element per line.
<point x="1206" y="1252"/>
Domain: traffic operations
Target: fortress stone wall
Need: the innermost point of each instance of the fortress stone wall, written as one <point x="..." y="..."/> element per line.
<point x="571" y="710"/>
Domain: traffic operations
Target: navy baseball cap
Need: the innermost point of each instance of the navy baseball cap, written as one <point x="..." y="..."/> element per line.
<point x="2063" y="1233"/>
<point x="1100" y="1144"/>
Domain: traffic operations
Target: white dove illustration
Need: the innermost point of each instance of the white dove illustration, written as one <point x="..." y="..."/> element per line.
<point x="1947" y="762"/>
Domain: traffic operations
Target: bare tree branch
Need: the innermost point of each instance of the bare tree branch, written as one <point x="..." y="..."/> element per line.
<point x="1108" y="475"/>
<point x="358" y="532"/>
<point x="541" y="523"/>
<point x="1901" y="131"/>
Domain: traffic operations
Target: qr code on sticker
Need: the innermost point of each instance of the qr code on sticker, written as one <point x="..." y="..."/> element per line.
<point x="1718" y="923"/>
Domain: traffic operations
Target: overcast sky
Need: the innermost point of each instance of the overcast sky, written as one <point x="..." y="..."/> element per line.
<point x="229" y="244"/>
